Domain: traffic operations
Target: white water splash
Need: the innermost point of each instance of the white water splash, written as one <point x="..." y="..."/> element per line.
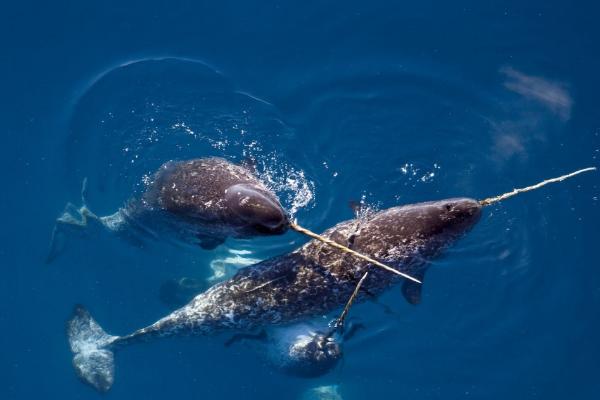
<point x="365" y="208"/>
<point x="419" y="173"/>
<point x="294" y="189"/>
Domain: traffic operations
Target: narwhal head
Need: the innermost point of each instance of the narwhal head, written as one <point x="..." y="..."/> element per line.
<point x="431" y="225"/>
<point x="258" y="210"/>
<point x="452" y="217"/>
<point x="442" y="220"/>
<point x="313" y="354"/>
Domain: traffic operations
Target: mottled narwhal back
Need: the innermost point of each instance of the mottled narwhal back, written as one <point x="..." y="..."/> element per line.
<point x="213" y="190"/>
<point x="404" y="237"/>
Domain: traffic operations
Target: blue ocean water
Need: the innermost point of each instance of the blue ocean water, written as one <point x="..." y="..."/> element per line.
<point x="388" y="103"/>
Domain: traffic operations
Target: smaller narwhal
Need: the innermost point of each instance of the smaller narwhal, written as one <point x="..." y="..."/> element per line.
<point x="200" y="202"/>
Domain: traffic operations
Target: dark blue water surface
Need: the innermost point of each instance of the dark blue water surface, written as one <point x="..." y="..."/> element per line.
<point x="388" y="102"/>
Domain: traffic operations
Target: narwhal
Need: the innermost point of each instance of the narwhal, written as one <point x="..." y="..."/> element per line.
<point x="200" y="202"/>
<point x="313" y="280"/>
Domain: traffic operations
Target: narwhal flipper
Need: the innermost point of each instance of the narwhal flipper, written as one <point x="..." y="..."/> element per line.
<point x="412" y="290"/>
<point x="72" y="222"/>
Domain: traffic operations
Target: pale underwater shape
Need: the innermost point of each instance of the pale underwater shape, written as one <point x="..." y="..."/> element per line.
<point x="226" y="267"/>
<point x="534" y="118"/>
<point x="328" y="392"/>
<point x="554" y="95"/>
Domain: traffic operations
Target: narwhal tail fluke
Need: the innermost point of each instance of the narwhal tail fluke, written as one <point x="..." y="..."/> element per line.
<point x="93" y="357"/>
<point x="74" y="221"/>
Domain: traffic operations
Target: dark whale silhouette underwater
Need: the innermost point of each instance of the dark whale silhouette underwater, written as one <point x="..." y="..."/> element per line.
<point x="310" y="281"/>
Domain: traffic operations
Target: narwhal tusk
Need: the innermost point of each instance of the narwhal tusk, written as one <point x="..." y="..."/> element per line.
<point x="514" y="192"/>
<point x="345" y="249"/>
<point x="340" y="321"/>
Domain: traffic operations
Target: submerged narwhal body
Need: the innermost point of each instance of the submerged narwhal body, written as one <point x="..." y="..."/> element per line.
<point x="313" y="280"/>
<point x="201" y="202"/>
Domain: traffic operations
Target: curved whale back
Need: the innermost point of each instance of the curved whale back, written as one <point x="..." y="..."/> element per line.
<point x="203" y="191"/>
<point x="317" y="279"/>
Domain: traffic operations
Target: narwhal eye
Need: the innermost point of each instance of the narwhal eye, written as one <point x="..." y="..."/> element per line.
<point x="448" y="207"/>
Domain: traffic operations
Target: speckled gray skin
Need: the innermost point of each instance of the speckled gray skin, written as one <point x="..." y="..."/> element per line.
<point x="315" y="279"/>
<point x="199" y="202"/>
<point x="206" y="200"/>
